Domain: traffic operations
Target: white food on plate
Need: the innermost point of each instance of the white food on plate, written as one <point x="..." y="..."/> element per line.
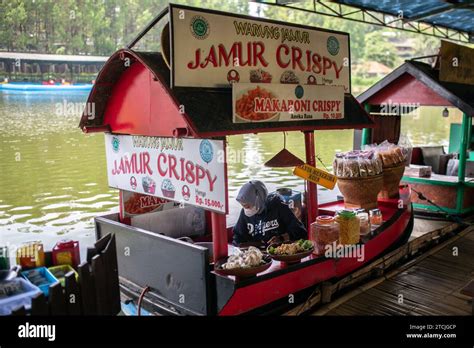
<point x="244" y="259"/>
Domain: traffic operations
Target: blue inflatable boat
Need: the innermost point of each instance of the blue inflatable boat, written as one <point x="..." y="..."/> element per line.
<point x="30" y="87"/>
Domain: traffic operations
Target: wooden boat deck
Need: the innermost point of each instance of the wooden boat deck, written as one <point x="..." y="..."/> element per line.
<point x="423" y="226"/>
<point x="427" y="285"/>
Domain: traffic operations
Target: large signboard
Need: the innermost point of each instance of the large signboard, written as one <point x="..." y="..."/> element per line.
<point x="255" y="102"/>
<point x="457" y="63"/>
<point x="189" y="171"/>
<point x="214" y="49"/>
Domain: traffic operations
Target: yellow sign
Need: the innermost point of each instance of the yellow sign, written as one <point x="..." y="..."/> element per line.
<point x="315" y="175"/>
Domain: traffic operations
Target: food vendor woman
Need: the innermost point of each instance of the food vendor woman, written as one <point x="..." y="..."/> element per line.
<point x="265" y="218"/>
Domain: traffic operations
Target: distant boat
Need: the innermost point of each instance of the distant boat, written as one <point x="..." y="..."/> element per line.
<point x="31" y="87"/>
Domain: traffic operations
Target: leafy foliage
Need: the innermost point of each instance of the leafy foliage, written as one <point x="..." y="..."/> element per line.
<point x="102" y="26"/>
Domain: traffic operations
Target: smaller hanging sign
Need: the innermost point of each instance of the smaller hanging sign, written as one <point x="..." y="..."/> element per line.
<point x="255" y="102"/>
<point x="316" y="176"/>
<point x="457" y="63"/>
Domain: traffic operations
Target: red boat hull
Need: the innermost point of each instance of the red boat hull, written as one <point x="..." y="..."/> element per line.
<point x="283" y="280"/>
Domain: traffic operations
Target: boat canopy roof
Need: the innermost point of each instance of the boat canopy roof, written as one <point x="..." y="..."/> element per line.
<point x="447" y="19"/>
<point x="132" y="95"/>
<point x="417" y="83"/>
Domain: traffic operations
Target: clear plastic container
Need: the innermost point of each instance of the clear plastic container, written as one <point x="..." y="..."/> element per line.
<point x="349" y="227"/>
<point x="40" y="277"/>
<point x="59" y="272"/>
<point x="325" y="231"/>
<point x="23" y="298"/>
<point x="365" y="229"/>
<point x="376" y="217"/>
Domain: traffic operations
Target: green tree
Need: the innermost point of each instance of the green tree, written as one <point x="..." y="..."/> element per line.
<point x="13" y="31"/>
<point x="377" y="48"/>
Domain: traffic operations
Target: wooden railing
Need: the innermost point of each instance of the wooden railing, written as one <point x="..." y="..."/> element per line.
<point x="96" y="292"/>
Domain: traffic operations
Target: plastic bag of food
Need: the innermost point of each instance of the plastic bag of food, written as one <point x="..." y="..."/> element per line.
<point x="378" y="165"/>
<point x="357" y="163"/>
<point x="370" y="164"/>
<point x="338" y="164"/>
<point x="351" y="167"/>
<point x="340" y="167"/>
<point x="452" y="168"/>
<point x="389" y="154"/>
<point x="407" y="148"/>
<point x="363" y="170"/>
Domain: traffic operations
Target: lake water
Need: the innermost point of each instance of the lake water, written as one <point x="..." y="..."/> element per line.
<point x="53" y="177"/>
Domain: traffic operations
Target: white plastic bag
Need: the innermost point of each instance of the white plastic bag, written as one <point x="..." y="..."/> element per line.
<point x="407" y="147"/>
<point x="452" y="169"/>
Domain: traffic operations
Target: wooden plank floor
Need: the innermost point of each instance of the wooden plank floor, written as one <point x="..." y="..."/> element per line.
<point x="423" y="226"/>
<point x="430" y="286"/>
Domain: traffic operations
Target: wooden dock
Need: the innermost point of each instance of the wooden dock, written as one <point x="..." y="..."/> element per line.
<point x="430" y="284"/>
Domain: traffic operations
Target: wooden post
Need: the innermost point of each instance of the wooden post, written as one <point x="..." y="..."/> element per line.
<point x="72" y="293"/>
<point x="326" y="292"/>
<point x="219" y="222"/>
<point x="57" y="303"/>
<point x="100" y="285"/>
<point x="462" y="162"/>
<point x="219" y="236"/>
<point x="87" y="285"/>
<point x="312" y="191"/>
<point x="109" y="254"/>
<point x="366" y="132"/>
<point x="39" y="305"/>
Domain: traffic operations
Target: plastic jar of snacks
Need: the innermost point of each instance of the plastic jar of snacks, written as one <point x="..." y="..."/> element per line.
<point x="323" y="232"/>
<point x="376" y="217"/>
<point x="349" y="227"/>
<point x="364" y="226"/>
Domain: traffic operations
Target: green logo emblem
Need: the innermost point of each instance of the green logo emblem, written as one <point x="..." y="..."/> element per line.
<point x="115" y="144"/>
<point x="199" y="27"/>
<point x="333" y="45"/>
<point x="299" y="91"/>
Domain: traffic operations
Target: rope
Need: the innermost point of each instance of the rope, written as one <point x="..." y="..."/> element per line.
<point x="321" y="161"/>
<point x="455" y="218"/>
<point x="140" y="298"/>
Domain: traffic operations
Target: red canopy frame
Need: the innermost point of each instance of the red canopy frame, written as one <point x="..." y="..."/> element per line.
<point x="132" y="95"/>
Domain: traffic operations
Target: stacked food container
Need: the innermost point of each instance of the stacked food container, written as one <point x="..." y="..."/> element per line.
<point x="347" y="227"/>
<point x="18" y="288"/>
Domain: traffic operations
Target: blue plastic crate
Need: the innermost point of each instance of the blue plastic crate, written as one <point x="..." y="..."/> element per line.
<point x="30" y="275"/>
<point x="9" y="303"/>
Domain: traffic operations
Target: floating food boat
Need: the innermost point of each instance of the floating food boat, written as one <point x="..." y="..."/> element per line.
<point x="175" y="121"/>
<point x="444" y="180"/>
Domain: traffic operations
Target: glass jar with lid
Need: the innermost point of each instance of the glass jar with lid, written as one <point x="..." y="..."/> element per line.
<point x="324" y="231"/>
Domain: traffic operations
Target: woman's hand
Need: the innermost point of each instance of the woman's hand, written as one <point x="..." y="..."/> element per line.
<point x="275" y="240"/>
<point x="279" y="239"/>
